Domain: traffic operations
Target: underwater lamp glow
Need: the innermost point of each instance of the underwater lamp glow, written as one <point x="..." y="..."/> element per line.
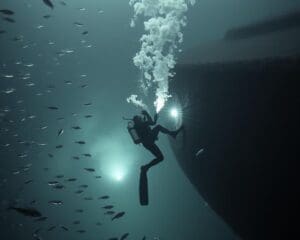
<point x="174" y="112"/>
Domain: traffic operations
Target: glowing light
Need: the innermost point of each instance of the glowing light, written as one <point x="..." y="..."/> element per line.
<point x="118" y="174"/>
<point x="174" y="113"/>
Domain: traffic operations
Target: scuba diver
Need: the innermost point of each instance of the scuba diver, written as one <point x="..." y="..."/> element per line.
<point x="147" y="136"/>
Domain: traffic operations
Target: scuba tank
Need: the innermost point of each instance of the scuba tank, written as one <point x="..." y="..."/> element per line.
<point x="133" y="133"/>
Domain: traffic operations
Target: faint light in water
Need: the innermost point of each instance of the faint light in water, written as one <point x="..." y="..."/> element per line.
<point x="118" y="175"/>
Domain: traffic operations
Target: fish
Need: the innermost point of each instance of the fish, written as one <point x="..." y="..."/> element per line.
<point x="2" y="31"/>
<point x="98" y="177"/>
<point x="53" y="183"/>
<point x="60" y="176"/>
<point x="48" y="3"/>
<point x="79" y="210"/>
<point x="75" y="157"/>
<point x="118" y="215"/>
<point x="63" y="3"/>
<point x="51" y="228"/>
<point x="64" y="228"/>
<point x="71" y="179"/>
<point x="28" y="181"/>
<point x="104" y="197"/>
<point x="85" y="32"/>
<point x="59" y="146"/>
<point x="83" y="85"/>
<point x="90" y="169"/>
<point x="47" y="16"/>
<point x="76" y="127"/>
<point x="7" y="12"/>
<point x="8" y="19"/>
<point x="87" y="104"/>
<point x="88" y="116"/>
<point x="50" y="155"/>
<point x="98" y="223"/>
<point x="83" y="186"/>
<point x="58" y="186"/>
<point x="80" y="142"/>
<point x="76" y="222"/>
<point x="53" y="108"/>
<point x="88" y="198"/>
<point x="78" y="24"/>
<point x="79" y="191"/>
<point x="41" y="219"/>
<point x="108" y="207"/>
<point x="87" y="155"/>
<point x="144" y="238"/>
<point x="28" y="212"/>
<point x="55" y="202"/>
<point x="60" y="132"/>
<point x="113" y="238"/>
<point x="81" y="231"/>
<point x="124" y="236"/>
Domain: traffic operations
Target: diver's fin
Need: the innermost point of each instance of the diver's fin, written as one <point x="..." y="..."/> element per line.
<point x="143" y="188"/>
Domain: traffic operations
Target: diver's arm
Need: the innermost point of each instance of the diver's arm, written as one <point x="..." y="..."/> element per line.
<point x="149" y="119"/>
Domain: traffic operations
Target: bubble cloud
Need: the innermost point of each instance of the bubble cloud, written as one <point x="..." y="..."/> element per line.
<point x="164" y="20"/>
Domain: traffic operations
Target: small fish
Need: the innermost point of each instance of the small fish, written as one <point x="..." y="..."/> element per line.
<point x="63" y="3"/>
<point x="124" y="236"/>
<point x="47" y="16"/>
<point x="113" y="238"/>
<point x="55" y="202"/>
<point x="76" y="127"/>
<point x="76" y="222"/>
<point x="60" y="118"/>
<point x="87" y="155"/>
<point x="79" y="191"/>
<point x="71" y="179"/>
<point x="41" y="219"/>
<point x="50" y="155"/>
<point x="68" y="82"/>
<point x="88" y="198"/>
<point x="53" y="108"/>
<point x="53" y="183"/>
<point x="81" y="231"/>
<point x="118" y="215"/>
<point x="28" y="181"/>
<point x="85" y="32"/>
<point x="8" y="19"/>
<point x="97" y="177"/>
<point x="83" y="186"/>
<point x="88" y="116"/>
<point x="29" y="212"/>
<point x="79" y="210"/>
<point x="2" y="31"/>
<point x="6" y="11"/>
<point x="59" y="146"/>
<point x="104" y="197"/>
<point x="75" y="157"/>
<point x="108" y="207"/>
<point x="84" y="86"/>
<point x="60" y="132"/>
<point x="51" y="228"/>
<point x="58" y="186"/>
<point x="78" y="24"/>
<point x="98" y="223"/>
<point x="64" y="228"/>
<point x="80" y="142"/>
<point x="60" y="176"/>
<point x="87" y="104"/>
<point x="90" y="169"/>
<point x="48" y="3"/>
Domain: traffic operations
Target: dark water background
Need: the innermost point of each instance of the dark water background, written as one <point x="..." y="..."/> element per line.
<point x="70" y="70"/>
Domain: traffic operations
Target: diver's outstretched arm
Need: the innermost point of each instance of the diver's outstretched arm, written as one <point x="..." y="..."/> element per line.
<point x="149" y="119"/>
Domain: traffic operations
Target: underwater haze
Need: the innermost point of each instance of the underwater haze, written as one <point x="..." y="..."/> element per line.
<point x="69" y="169"/>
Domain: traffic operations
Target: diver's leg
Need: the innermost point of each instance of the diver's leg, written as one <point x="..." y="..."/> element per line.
<point x="154" y="149"/>
<point x="164" y="130"/>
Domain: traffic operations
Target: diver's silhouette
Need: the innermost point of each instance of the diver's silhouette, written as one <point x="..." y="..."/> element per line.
<point x="149" y="135"/>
